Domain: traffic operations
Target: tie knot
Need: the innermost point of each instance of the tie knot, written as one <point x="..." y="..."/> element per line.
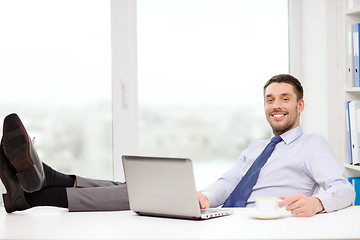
<point x="276" y="139"/>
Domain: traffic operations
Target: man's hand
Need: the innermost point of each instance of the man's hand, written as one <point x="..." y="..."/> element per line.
<point x="203" y="201"/>
<point x="301" y="205"/>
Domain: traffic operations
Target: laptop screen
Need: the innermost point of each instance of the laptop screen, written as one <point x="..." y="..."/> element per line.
<point x="161" y="186"/>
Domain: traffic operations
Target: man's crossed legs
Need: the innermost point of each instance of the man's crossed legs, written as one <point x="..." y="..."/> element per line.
<point x="30" y="183"/>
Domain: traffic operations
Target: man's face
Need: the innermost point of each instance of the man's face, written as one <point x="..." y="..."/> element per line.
<point x="282" y="109"/>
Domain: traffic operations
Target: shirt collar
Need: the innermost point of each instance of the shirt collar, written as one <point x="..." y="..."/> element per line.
<point x="291" y="135"/>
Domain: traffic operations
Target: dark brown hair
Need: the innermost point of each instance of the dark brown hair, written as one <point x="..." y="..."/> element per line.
<point x="287" y="78"/>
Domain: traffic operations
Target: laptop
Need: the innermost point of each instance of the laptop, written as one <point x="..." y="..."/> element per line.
<point x="164" y="187"/>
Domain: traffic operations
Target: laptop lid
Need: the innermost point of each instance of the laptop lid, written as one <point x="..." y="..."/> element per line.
<point x="161" y="186"/>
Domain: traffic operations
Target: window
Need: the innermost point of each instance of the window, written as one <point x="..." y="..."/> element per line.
<point x="201" y="69"/>
<point x="55" y="59"/>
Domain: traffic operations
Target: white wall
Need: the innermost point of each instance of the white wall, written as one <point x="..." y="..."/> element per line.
<point x="310" y="25"/>
<point x="314" y="56"/>
<point x="310" y="40"/>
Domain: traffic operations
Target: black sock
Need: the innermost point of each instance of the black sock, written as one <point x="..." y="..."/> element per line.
<point x="57" y="179"/>
<point x="53" y="196"/>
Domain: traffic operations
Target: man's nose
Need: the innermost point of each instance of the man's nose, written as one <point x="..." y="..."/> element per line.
<point x="277" y="104"/>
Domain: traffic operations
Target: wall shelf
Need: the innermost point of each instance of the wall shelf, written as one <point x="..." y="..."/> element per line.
<point x="353" y="11"/>
<point x="347" y="92"/>
<point x="352" y="167"/>
<point x="352" y="89"/>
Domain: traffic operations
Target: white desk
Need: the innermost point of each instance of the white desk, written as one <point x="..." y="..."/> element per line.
<point x="53" y="223"/>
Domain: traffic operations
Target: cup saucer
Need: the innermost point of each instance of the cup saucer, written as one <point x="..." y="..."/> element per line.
<point x="266" y="215"/>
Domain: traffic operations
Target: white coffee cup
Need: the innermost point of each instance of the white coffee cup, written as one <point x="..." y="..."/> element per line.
<point x="268" y="205"/>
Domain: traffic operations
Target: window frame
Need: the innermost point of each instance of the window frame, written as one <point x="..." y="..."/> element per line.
<point x="124" y="82"/>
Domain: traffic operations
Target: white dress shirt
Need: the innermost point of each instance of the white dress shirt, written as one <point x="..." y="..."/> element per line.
<point x="301" y="163"/>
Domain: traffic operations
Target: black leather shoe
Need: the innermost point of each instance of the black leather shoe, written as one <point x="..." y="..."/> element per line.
<point x="22" y="155"/>
<point x="14" y="199"/>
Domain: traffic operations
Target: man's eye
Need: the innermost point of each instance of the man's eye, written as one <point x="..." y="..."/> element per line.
<point x="269" y="100"/>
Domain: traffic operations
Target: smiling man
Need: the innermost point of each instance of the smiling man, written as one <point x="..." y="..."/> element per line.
<point x="297" y="168"/>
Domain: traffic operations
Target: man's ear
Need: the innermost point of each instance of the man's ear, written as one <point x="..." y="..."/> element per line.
<point x="301" y="105"/>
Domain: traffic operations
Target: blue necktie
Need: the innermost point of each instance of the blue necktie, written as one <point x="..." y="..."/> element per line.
<point x="242" y="191"/>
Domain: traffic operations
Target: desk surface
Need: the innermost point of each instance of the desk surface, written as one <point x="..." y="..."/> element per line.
<point x="54" y="223"/>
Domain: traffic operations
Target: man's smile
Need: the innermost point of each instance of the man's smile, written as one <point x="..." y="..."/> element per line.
<point x="278" y="116"/>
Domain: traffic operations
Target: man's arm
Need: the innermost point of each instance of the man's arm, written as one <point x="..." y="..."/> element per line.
<point x="326" y="172"/>
<point x="301" y="205"/>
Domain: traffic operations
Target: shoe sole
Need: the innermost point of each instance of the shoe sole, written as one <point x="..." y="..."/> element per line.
<point x="18" y="149"/>
<point x="15" y="144"/>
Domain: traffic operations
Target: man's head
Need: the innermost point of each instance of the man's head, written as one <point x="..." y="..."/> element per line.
<point x="283" y="102"/>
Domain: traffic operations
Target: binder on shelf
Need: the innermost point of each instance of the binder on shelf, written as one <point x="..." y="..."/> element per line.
<point x="355" y="33"/>
<point x="349" y="142"/>
<point x="355" y="181"/>
<point x="350" y="57"/>
<point x="354" y="127"/>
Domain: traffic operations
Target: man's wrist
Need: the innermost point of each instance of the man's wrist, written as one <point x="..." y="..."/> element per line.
<point x="319" y="206"/>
